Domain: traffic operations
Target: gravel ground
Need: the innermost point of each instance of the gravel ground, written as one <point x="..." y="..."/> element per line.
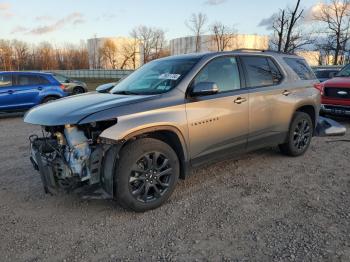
<point x="263" y="207"/>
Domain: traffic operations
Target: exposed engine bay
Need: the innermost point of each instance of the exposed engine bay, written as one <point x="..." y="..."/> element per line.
<point x="70" y="157"/>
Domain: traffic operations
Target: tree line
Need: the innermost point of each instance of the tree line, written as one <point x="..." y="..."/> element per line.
<point x="19" y="55"/>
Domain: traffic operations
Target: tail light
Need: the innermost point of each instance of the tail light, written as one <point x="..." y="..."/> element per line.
<point x="62" y="87"/>
<point x="320" y="87"/>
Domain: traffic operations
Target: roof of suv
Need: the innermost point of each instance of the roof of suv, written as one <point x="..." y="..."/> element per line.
<point x="233" y="52"/>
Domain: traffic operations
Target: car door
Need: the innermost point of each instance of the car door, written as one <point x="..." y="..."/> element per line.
<point x="6" y="92"/>
<point x="26" y="90"/>
<point x="218" y="123"/>
<point x="265" y="82"/>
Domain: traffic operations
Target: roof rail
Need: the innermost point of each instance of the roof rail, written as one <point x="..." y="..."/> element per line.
<point x="257" y="50"/>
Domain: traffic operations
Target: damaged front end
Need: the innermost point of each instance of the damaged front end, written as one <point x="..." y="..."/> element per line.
<point x="70" y="159"/>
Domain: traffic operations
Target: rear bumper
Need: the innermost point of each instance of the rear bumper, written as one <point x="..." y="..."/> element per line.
<point x="335" y="109"/>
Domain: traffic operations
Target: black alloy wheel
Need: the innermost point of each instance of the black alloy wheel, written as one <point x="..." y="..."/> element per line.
<point x="146" y="174"/>
<point x="150" y="177"/>
<point x="302" y="134"/>
<point x="299" y="135"/>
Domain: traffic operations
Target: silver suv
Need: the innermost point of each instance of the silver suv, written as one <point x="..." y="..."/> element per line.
<point x="134" y="143"/>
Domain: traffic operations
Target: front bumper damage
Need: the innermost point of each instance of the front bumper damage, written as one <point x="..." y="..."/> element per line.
<point x="60" y="174"/>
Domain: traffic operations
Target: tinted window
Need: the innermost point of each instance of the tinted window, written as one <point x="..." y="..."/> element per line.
<point x="25" y="80"/>
<point x="258" y="71"/>
<point x="325" y="73"/>
<point x="5" y="80"/>
<point x="276" y="73"/>
<point x="42" y="80"/>
<point x="222" y="71"/>
<point x="301" y="68"/>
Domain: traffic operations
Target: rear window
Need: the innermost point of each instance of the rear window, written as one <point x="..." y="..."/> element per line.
<point x="301" y="68"/>
<point x="5" y="80"/>
<point x="325" y="73"/>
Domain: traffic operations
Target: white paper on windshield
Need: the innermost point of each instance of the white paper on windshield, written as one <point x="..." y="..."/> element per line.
<point x="168" y="76"/>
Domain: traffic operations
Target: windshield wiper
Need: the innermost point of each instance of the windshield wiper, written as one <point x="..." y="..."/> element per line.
<point x="124" y="92"/>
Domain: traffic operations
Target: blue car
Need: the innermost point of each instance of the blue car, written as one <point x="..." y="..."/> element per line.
<point x="20" y="91"/>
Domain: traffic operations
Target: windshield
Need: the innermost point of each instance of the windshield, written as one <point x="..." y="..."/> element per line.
<point x="156" y="77"/>
<point x="345" y="71"/>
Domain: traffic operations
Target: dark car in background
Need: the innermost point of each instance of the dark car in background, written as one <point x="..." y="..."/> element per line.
<point x="324" y="74"/>
<point x="71" y="86"/>
<point x="22" y="90"/>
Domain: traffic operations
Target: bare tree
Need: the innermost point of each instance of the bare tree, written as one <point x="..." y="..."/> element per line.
<point x="288" y="34"/>
<point x="222" y="35"/>
<point x="21" y="52"/>
<point x="6" y="55"/>
<point x="294" y="16"/>
<point x="336" y="16"/>
<point x="279" y="26"/>
<point x="129" y="54"/>
<point x="151" y="40"/>
<point x="108" y="53"/>
<point x="196" y="24"/>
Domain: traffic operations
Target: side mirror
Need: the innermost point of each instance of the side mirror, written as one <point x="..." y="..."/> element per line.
<point x="67" y="81"/>
<point x="205" y="89"/>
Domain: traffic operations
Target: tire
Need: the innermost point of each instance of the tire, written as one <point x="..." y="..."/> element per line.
<point x="136" y="172"/>
<point x="78" y="90"/>
<point x="48" y="99"/>
<point x="299" y="135"/>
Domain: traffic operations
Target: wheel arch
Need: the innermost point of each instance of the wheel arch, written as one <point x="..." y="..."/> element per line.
<point x="48" y="96"/>
<point x="311" y="111"/>
<point x="166" y="133"/>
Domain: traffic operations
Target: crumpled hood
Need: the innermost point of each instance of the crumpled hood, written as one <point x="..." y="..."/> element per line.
<point x="72" y="109"/>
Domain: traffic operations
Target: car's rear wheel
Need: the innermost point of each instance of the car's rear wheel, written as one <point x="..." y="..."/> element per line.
<point x="78" y="90"/>
<point x="299" y="135"/>
<point x="48" y="99"/>
<point x="146" y="174"/>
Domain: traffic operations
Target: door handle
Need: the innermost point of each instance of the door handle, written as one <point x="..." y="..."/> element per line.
<point x="10" y="92"/>
<point x="286" y="93"/>
<point x="240" y="100"/>
<point x="40" y="88"/>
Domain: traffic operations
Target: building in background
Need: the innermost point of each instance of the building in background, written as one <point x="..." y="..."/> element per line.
<point x="185" y="45"/>
<point x="114" y="53"/>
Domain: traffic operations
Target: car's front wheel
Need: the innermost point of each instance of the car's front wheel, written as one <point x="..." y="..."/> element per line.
<point x="299" y="135"/>
<point x="146" y="174"/>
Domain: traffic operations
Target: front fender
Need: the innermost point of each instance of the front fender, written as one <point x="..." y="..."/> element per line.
<point x="167" y="119"/>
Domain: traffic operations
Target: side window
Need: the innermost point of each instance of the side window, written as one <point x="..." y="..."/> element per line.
<point x="301" y="68"/>
<point x="42" y="80"/>
<point x="276" y="73"/>
<point x="27" y="80"/>
<point x="223" y="71"/>
<point x="5" y="80"/>
<point x="258" y="71"/>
